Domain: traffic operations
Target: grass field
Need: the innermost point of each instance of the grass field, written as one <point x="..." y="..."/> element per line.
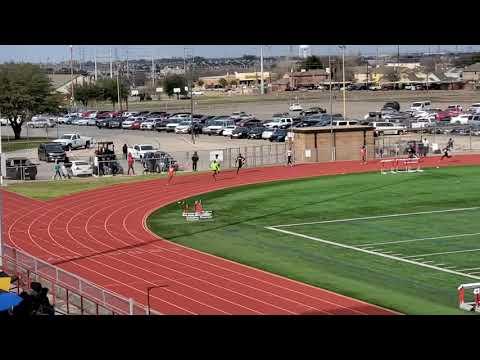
<point x="338" y="232"/>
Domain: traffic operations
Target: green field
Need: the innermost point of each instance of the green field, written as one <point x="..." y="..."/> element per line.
<point x="409" y="262"/>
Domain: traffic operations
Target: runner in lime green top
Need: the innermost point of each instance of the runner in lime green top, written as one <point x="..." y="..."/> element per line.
<point x="215" y="167"/>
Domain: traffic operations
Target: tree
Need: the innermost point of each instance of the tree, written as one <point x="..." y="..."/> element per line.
<point x="25" y="90"/>
<point x="174" y="81"/>
<point x="108" y="90"/>
<point x="233" y="82"/>
<point x="311" y="63"/>
<point x="86" y="92"/>
<point x="223" y="82"/>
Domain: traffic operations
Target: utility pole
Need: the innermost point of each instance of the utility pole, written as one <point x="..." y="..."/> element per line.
<point x="153" y="73"/>
<point x="96" y="75"/>
<point x="262" y="90"/>
<point x="344" y="88"/>
<point x="192" y="61"/>
<point x="331" y="109"/>
<point x="111" y="66"/>
<point x="71" y="75"/>
<point x="118" y="88"/>
<point x="398" y="64"/>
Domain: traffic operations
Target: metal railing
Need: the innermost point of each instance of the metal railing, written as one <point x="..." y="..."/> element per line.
<point x="71" y="293"/>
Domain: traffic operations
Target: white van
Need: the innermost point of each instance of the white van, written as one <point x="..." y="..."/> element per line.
<point x="388" y="128"/>
<point x="344" y="122"/>
<point x="474" y="108"/>
<point x="420" y="105"/>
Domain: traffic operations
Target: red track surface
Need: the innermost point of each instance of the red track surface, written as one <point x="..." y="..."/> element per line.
<point x="101" y="236"/>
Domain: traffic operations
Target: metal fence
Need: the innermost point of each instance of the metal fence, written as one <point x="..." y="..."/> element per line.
<point x="69" y="292"/>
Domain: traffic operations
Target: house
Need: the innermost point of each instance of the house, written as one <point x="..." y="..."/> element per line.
<point x="472" y="73"/>
<point x="362" y="74"/>
<point x="281" y="84"/>
<point x="454" y="73"/>
<point x="408" y="65"/>
<point x="248" y="79"/>
<point x="62" y="83"/>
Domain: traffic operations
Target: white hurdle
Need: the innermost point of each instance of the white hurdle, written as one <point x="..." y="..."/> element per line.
<point x="394" y="166"/>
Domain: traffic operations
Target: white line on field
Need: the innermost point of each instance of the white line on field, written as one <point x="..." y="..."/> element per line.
<point x="443" y="253"/>
<point x="477" y="268"/>
<point x="421" y="239"/>
<point x="450" y="267"/>
<point x="373" y="253"/>
<point x="428" y="262"/>
<point x="474" y="272"/>
<point x="378" y="217"/>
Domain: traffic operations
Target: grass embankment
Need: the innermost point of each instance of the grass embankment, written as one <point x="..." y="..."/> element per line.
<point x="46" y="190"/>
<point x="241" y="215"/>
<point x="9" y="145"/>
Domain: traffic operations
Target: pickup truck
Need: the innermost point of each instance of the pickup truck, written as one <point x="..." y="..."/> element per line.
<point x="74" y="141"/>
<point x="138" y="151"/>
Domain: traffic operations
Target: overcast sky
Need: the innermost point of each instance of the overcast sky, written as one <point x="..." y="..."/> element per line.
<point x="42" y="53"/>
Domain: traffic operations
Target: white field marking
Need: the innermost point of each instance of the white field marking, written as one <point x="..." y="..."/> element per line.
<point x="428" y="262"/>
<point x="419" y="259"/>
<point x="477" y="268"/>
<point x="421" y="239"/>
<point x="387" y="252"/>
<point x="350" y="247"/>
<point x="450" y="267"/>
<point x="378" y="217"/>
<point x="441" y="265"/>
<point x="443" y="253"/>
<point x="396" y="254"/>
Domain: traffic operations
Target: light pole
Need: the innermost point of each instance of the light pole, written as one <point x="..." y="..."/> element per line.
<point x="148" y="295"/>
<point x="71" y="75"/>
<point x="262" y="89"/>
<point x="344" y="89"/>
<point x="118" y="89"/>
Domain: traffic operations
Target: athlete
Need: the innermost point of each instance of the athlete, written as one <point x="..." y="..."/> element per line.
<point x="215" y="167"/>
<point x="240" y="161"/>
<point x="447" y="149"/>
<point x="363" y="154"/>
<point x="289" y="157"/>
<point x="171" y="173"/>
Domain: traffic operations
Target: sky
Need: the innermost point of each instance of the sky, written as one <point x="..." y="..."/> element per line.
<point x="48" y="53"/>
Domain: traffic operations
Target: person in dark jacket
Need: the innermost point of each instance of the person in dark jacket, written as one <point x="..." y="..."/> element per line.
<point x="194" y="161"/>
<point x="125" y="151"/>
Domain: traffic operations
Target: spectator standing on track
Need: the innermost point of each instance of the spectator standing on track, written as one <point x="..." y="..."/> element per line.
<point x="425" y="147"/>
<point x="363" y="154"/>
<point x="125" y="151"/>
<point x="57" y="170"/>
<point x="67" y="164"/>
<point x="194" y="161"/>
<point x="239" y="161"/>
<point x="130" y="161"/>
<point x="289" y="157"/>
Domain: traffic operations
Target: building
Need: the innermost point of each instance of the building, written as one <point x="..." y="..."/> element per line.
<point x="408" y="65"/>
<point x="472" y="73"/>
<point x="62" y="83"/>
<point x="311" y="78"/>
<point x="454" y="73"/>
<point x="247" y="79"/>
<point x="281" y="84"/>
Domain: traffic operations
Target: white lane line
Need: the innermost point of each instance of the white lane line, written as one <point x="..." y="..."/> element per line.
<point x="422" y="239"/>
<point x="374" y="253"/>
<point x="428" y="261"/>
<point x="476" y="268"/>
<point x="474" y="272"/>
<point x="378" y="217"/>
<point x="443" y="253"/>
<point x="387" y="252"/>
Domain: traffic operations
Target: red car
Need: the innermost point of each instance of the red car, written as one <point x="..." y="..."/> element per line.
<point x="136" y="125"/>
<point x="443" y="116"/>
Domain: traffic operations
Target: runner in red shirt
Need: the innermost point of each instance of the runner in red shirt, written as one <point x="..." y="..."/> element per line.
<point x="363" y="154"/>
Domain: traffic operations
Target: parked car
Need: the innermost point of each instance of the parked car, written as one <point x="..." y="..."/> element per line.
<point x="83" y="121"/>
<point x="228" y="130"/>
<point x="344" y="122"/>
<point x="256" y="132"/>
<point x="295" y="107"/>
<point x="161" y="125"/>
<point x="139" y="150"/>
<point x="421" y="105"/>
<point x="460" y="119"/>
<point x="391" y="105"/>
<point x="388" y="128"/>
<point x="148" y="124"/>
<point x="217" y="126"/>
<point x="40" y="123"/>
<point x="422" y="123"/>
<point x="279" y="123"/>
<point x="51" y="152"/>
<point x="20" y="168"/>
<point x="81" y="168"/>
<point x="474" y="108"/>
<point x="185" y="127"/>
<point x="159" y="161"/>
<point x="240" y="132"/>
<point x="111" y="123"/>
<point x="278" y="135"/>
<point x="74" y="141"/>
<point x="127" y="124"/>
<point x="266" y="134"/>
<point x="175" y="120"/>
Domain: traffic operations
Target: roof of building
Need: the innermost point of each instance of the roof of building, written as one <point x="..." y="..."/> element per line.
<point x="308" y="73"/>
<point x="59" y="80"/>
<point x="472" y="68"/>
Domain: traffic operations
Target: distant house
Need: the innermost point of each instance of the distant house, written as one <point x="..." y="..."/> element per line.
<point x="248" y="79"/>
<point x="408" y="65"/>
<point x="62" y="83"/>
<point x="281" y="84"/>
<point x="454" y="73"/>
<point x="472" y="73"/>
<point x="362" y="74"/>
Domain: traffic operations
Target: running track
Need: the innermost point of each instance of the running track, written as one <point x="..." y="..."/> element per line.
<point x="101" y="236"/>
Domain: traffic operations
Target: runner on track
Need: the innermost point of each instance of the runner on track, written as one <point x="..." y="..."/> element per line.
<point x="363" y="154"/>
<point x="240" y="161"/>
<point x="215" y="167"/>
<point x="171" y="172"/>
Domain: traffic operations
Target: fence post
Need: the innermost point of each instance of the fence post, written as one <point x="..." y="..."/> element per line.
<point x="130" y="305"/>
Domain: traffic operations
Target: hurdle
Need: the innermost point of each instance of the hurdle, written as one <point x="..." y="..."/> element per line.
<point x="395" y="166"/>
